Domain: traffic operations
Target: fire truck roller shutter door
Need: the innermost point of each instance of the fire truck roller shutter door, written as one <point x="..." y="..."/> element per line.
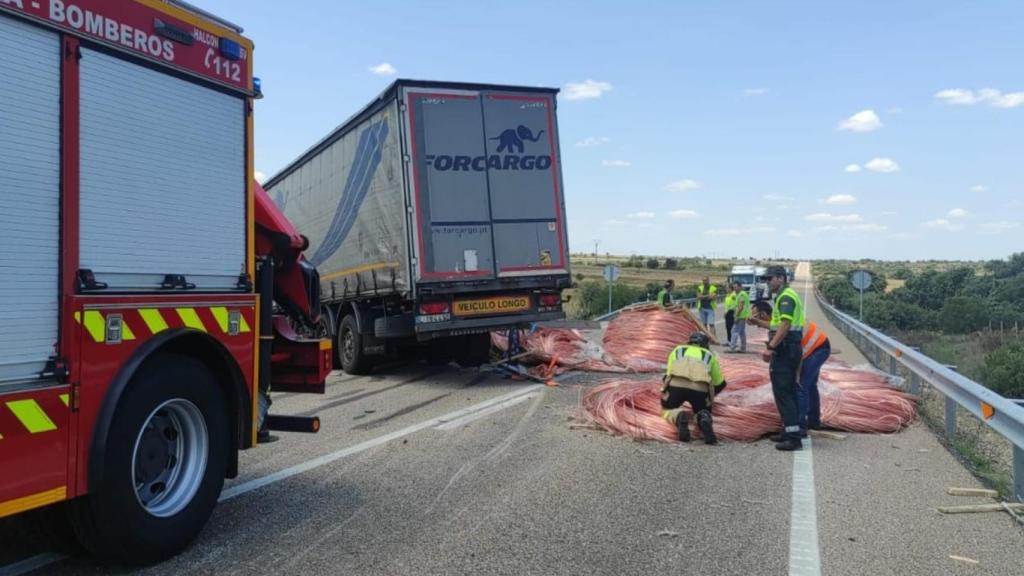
<point x="29" y="198"/>
<point x="163" y="177"/>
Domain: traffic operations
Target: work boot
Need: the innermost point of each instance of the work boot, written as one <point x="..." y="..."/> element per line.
<point x="781" y="437"/>
<point x="705" y="423"/>
<point x="683" y="426"/>
<point x="789" y="445"/>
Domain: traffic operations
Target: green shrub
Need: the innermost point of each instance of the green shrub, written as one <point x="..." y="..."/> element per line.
<point x="962" y="314"/>
<point x="652" y="263"/>
<point x="1003" y="371"/>
<point x="593" y="297"/>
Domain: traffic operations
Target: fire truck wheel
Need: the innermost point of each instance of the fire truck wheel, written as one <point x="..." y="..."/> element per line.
<point x="350" y="348"/>
<point x="164" y="465"/>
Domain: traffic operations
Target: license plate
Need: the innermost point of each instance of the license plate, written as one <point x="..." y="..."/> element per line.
<point x="494" y="305"/>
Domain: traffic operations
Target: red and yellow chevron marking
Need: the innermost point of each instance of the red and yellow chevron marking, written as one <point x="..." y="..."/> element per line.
<point x="43" y="412"/>
<point x="144" y="322"/>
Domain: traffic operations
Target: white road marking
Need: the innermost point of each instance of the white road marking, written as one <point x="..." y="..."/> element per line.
<point x="346" y="452"/>
<point x="29" y="564"/>
<point x="459" y="422"/>
<point x="456" y="418"/>
<point x="804" y="557"/>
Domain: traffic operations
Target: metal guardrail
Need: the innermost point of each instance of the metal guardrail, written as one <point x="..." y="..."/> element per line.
<point x="1003" y="415"/>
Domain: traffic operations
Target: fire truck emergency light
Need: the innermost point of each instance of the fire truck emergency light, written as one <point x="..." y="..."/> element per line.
<point x="230" y="49"/>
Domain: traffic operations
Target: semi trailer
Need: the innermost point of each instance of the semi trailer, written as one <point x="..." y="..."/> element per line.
<point x="435" y="215"/>
<point x="140" y="267"/>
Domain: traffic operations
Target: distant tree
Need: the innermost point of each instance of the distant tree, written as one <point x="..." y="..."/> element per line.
<point x="903" y="273"/>
<point x="671" y="264"/>
<point x="962" y="314"/>
<point x="652" y="263"/>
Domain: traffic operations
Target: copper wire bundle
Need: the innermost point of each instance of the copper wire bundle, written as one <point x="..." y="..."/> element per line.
<point x="642" y="338"/>
<point x="565" y="349"/>
<point x="852" y="400"/>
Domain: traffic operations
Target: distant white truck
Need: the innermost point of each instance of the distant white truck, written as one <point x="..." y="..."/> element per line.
<point x="751" y="278"/>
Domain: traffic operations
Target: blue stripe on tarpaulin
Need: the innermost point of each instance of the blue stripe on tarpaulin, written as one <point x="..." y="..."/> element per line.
<point x="367" y="158"/>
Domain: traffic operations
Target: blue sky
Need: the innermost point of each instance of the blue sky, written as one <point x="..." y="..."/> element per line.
<point x="811" y="129"/>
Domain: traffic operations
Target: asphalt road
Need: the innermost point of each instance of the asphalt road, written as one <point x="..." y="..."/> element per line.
<point x="422" y="470"/>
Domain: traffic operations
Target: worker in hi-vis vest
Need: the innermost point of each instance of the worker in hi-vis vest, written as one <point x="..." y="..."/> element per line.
<point x="783" y="353"/>
<point x="738" y="342"/>
<point x="693" y="376"/>
<point x="665" y="294"/>
<point x="816" y="349"/>
<point x="729" y="303"/>
<point x="707" y="293"/>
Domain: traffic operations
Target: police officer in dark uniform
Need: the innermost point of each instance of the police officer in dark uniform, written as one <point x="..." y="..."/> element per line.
<point x="785" y="331"/>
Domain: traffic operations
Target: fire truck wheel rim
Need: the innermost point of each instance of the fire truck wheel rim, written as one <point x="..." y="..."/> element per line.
<point x="169" y="459"/>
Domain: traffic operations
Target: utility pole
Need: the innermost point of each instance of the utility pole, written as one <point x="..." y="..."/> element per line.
<point x="596" y="243"/>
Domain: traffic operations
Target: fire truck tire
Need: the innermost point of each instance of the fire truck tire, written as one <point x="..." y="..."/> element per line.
<point x="165" y="463"/>
<point x="349" y="345"/>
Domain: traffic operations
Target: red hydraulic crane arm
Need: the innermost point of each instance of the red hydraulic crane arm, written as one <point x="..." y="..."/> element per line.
<point x="296" y="281"/>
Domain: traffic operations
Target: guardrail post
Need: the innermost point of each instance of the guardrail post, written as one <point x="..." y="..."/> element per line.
<point x="950" y="419"/>
<point x="915" y="383"/>
<point x="893" y="366"/>
<point x="1018" y="473"/>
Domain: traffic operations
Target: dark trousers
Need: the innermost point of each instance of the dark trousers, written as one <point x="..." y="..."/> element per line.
<point x="783" y="370"/>
<point x="673" y="397"/>
<point x="730" y="319"/>
<point x="807" y="396"/>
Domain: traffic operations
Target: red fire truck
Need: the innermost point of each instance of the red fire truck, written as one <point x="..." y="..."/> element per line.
<point x="138" y="266"/>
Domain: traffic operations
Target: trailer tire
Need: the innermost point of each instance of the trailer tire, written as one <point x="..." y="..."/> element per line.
<point x="165" y="462"/>
<point x="473" y="350"/>
<point x="349" y="345"/>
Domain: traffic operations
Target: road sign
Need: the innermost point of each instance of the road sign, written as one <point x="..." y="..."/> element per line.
<point x="611" y="272"/>
<point x="861" y="279"/>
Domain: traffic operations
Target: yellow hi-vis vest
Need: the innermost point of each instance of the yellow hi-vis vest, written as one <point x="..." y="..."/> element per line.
<point x="796" y="319"/>
<point x="693" y="367"/>
<point x="712" y="290"/>
<point x="730" y="301"/>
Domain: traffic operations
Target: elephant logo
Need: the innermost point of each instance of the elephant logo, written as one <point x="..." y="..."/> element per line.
<point x="513" y="138"/>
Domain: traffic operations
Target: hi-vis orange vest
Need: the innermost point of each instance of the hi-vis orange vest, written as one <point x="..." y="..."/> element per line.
<point x="813" y="338"/>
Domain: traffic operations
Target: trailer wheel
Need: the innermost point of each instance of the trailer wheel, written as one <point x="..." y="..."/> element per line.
<point x="164" y="465"/>
<point x="473" y="350"/>
<point x="350" y="348"/>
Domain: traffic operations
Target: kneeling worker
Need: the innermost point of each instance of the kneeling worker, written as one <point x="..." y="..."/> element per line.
<point x="693" y="375"/>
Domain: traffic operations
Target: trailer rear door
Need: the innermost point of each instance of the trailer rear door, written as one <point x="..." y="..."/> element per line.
<point x="29" y="198"/>
<point x="486" y="184"/>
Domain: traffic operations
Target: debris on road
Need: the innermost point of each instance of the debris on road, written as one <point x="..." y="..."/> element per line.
<point x="983" y="492"/>
<point x="963" y="559"/>
<point x="668" y="534"/>
<point x="981" y="508"/>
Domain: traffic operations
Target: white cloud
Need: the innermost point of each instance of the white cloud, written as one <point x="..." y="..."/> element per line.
<point x="683" y="214"/>
<point x="884" y="165"/>
<point x="863" y="121"/>
<point x="260" y="177"/>
<point x="683" y="185"/>
<point x="383" y="69"/>
<point x="957" y="213"/>
<point x="777" y="198"/>
<point x="977" y="188"/>
<point x="723" y="232"/>
<point x="795" y="233"/>
<point x="593" y="141"/>
<point x="586" y="90"/>
<point x="827" y="217"/>
<point x="616" y="163"/>
<point x="991" y="96"/>
<point x="640" y="215"/>
<point x="841" y="200"/>
<point x="942" y="224"/>
<point x="1000" y="226"/>
<point x="852" y="168"/>
<point x="755" y="91"/>
<point x="862" y="227"/>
